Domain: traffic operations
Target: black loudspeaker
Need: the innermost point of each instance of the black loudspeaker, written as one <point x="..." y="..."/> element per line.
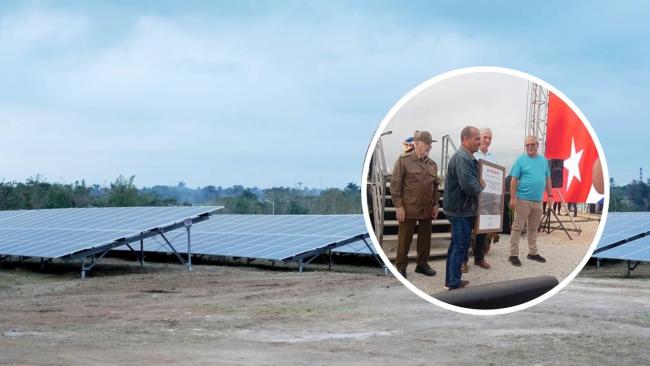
<point x="557" y="172"/>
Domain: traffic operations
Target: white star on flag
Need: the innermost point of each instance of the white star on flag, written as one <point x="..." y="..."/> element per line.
<point x="572" y="164"/>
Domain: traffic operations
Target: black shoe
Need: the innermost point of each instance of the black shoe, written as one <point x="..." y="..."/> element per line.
<point x="402" y="272"/>
<point x="425" y="270"/>
<point x="515" y="261"/>
<point x="536" y="258"/>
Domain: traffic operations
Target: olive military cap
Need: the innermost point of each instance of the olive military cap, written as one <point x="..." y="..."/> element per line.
<point x="424" y="136"/>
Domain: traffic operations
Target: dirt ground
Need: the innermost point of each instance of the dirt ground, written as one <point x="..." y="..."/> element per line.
<point x="240" y="315"/>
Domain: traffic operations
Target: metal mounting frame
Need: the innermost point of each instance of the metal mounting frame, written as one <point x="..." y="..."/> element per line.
<point x="306" y="258"/>
<point x="95" y="255"/>
<point x="630" y="267"/>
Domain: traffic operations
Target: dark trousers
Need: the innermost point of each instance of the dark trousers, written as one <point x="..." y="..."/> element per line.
<point x="405" y="237"/>
<point x="575" y="208"/>
<point x="558" y="206"/>
<point x="479" y="247"/>
<point x="480" y="243"/>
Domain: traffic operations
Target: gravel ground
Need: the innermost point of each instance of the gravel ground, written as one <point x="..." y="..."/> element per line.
<point x="562" y="255"/>
<point x="257" y="316"/>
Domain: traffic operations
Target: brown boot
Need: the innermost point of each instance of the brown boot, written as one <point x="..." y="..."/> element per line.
<point x="483" y="264"/>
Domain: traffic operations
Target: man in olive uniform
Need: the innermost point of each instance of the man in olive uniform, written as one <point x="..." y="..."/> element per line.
<point x="414" y="191"/>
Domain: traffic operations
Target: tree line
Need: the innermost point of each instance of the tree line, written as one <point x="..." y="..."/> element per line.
<point x="37" y="193"/>
<point x="634" y="196"/>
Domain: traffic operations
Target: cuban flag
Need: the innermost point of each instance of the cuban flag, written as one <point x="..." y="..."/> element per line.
<point x="568" y="139"/>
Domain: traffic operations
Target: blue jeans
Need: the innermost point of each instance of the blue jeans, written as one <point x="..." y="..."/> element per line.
<point x="461" y="228"/>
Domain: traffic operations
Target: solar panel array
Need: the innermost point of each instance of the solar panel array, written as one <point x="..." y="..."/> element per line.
<point x="624" y="225"/>
<point x="637" y="250"/>
<point x="624" y="233"/>
<point x="56" y="233"/>
<point x="271" y="237"/>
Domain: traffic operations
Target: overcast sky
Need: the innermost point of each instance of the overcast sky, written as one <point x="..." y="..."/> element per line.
<point x="493" y="100"/>
<point x="275" y="93"/>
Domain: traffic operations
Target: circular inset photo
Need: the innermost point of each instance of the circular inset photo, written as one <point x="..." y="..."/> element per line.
<point x="486" y="190"/>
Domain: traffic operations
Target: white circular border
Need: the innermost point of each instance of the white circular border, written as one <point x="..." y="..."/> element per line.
<point x="405" y="99"/>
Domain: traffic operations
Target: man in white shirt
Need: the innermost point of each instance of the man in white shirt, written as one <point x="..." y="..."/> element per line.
<point x="486" y="141"/>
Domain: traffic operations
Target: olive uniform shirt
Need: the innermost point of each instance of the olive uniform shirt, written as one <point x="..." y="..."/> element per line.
<point x="414" y="185"/>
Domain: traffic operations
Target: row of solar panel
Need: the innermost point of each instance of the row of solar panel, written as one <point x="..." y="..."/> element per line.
<point x="62" y="232"/>
<point x="59" y="233"/>
<point x="626" y="236"/>
<point x="271" y="237"/>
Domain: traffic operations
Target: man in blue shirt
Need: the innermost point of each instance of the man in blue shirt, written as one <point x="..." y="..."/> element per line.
<point x="530" y="177"/>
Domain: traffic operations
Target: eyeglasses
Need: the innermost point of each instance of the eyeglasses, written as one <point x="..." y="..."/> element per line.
<point x="531" y="145"/>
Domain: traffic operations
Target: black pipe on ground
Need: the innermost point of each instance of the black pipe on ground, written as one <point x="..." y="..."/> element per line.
<point x="499" y="295"/>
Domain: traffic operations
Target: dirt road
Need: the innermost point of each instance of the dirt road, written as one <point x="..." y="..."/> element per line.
<point x="245" y="315"/>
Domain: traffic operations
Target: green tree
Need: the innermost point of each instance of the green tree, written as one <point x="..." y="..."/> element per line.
<point x="123" y="192"/>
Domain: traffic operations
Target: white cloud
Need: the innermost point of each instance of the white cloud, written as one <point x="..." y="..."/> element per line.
<point x="36" y="29"/>
<point x="280" y="92"/>
<point x="489" y="100"/>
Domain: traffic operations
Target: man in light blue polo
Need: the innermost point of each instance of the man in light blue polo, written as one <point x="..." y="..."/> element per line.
<point x="530" y="177"/>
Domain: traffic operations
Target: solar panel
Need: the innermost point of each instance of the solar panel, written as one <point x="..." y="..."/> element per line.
<point x="636" y="250"/>
<point x="357" y="247"/>
<point x="57" y="233"/>
<point x="622" y="226"/>
<point x="271" y="237"/>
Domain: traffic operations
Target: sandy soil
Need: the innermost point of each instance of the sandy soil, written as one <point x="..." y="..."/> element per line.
<point x="562" y="254"/>
<point x="355" y="316"/>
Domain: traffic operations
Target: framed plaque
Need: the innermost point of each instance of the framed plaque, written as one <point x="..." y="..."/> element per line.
<point x="490" y="202"/>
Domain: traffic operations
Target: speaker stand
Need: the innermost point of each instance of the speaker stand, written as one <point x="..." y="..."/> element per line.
<point x="575" y="227"/>
<point x="545" y="223"/>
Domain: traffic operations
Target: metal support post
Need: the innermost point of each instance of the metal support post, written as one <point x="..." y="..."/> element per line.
<point x="172" y="247"/>
<point x="94" y="260"/>
<point x="83" y="268"/>
<point x="629" y="264"/>
<point x="189" y="245"/>
<point x="141" y="253"/>
<point x="631" y="267"/>
<point x="300" y="266"/>
<point x="329" y="263"/>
